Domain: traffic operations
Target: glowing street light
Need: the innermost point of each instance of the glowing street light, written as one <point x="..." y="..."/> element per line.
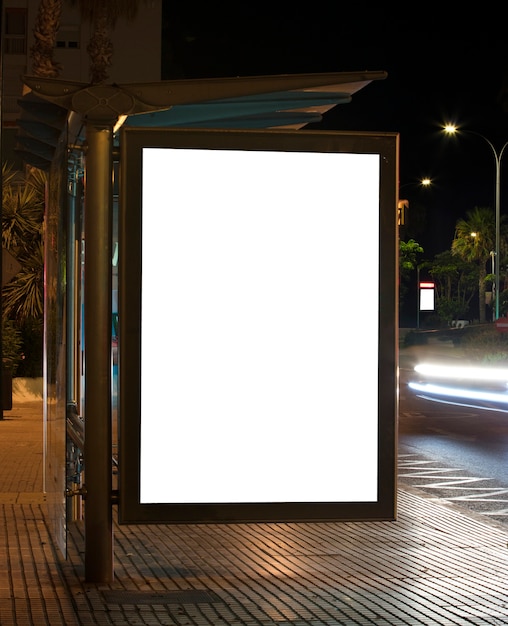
<point x="403" y="204"/>
<point x="451" y="129"/>
<point x="423" y="182"/>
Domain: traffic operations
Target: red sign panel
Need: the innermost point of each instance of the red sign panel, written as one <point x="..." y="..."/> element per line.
<point x="502" y="324"/>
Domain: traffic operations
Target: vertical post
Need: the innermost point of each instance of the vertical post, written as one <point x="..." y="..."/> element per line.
<point x="494" y="294"/>
<point x="498" y="230"/>
<point x="1" y="210"/>
<point x="71" y="288"/>
<point x="451" y="129"/>
<point x="97" y="331"/>
<point x="417" y="297"/>
<point x="499" y="157"/>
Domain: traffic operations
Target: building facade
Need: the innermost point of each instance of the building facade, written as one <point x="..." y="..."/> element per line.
<point x="128" y="64"/>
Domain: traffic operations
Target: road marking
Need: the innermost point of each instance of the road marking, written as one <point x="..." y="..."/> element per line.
<point x="468" y="490"/>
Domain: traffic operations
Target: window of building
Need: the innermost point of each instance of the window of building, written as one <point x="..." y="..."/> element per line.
<point x="68" y="37"/>
<point x="15" y="31"/>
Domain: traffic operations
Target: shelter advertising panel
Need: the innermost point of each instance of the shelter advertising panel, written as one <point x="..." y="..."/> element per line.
<point x="257" y="326"/>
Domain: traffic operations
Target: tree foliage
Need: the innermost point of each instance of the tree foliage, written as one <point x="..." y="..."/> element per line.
<point x="474" y="242"/>
<point x="23" y="295"/>
<point x="22" y="209"/>
<point x="409" y="254"/>
<point x="456" y="282"/>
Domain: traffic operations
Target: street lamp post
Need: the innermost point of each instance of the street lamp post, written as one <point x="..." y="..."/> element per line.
<point x="418" y="296"/>
<point x="451" y="129"/>
<point x="402" y="205"/>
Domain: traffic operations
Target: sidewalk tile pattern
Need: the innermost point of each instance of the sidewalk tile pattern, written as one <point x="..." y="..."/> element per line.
<point x="433" y="566"/>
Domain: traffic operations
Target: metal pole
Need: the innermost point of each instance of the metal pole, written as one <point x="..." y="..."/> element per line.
<point x="97" y="329"/>
<point x="451" y="129"/>
<point x="494" y="295"/>
<point x="417" y="297"/>
<point x="498" y="231"/>
<point x="1" y="212"/>
<point x="497" y="157"/>
<point x="498" y="224"/>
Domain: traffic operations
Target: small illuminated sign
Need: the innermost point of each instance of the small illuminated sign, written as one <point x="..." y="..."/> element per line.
<point x="427" y="296"/>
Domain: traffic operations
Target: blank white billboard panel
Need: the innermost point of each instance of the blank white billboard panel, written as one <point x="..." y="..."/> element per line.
<point x="257" y="384"/>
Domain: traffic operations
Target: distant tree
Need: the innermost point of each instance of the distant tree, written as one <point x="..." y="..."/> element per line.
<point x="409" y="253"/>
<point x="456" y="283"/>
<point x="474" y="241"/>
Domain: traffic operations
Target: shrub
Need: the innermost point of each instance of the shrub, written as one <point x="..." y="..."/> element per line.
<point x="485" y="344"/>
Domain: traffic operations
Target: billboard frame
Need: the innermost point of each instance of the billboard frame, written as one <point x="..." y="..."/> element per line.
<point x="132" y="143"/>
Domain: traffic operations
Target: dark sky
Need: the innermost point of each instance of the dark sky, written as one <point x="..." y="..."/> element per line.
<point x="440" y="68"/>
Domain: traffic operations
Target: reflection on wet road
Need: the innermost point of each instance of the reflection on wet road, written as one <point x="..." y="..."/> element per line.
<point x="454" y="451"/>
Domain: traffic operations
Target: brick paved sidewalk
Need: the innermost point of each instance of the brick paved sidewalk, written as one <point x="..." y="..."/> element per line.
<point x="21" y="460"/>
<point x="434" y="566"/>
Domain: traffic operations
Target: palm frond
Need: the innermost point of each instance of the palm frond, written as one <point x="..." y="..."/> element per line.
<point x="22" y="235"/>
<point x="112" y="8"/>
<point x="23" y="299"/>
<point x="23" y="295"/>
<point x="475" y="235"/>
<point x="22" y="216"/>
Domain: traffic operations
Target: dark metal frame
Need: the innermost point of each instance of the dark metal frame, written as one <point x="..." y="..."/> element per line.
<point x="131" y="510"/>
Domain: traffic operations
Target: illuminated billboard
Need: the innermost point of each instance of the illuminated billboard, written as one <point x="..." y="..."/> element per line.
<point x="257" y="325"/>
<point x="427" y="297"/>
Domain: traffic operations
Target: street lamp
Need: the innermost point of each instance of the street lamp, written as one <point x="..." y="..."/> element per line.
<point x="422" y="182"/>
<point x="403" y="204"/>
<point x="451" y="129"/>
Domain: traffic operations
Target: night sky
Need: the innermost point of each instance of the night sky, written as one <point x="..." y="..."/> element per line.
<point x="439" y="68"/>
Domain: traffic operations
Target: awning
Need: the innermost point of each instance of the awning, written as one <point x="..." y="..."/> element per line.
<point x="264" y="105"/>
<point x="288" y="101"/>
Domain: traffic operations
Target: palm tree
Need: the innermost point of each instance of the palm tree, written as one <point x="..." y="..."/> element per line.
<point x="103" y="15"/>
<point x="474" y="241"/>
<point x="456" y="285"/>
<point x="46" y="27"/>
<point x="409" y="251"/>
